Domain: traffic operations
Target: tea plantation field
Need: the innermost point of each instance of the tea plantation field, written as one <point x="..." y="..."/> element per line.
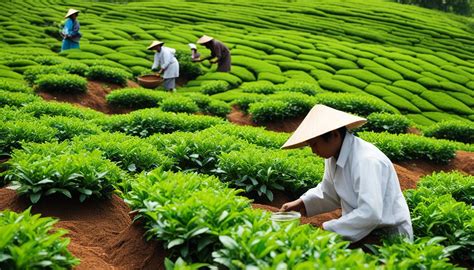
<point x="187" y="173"/>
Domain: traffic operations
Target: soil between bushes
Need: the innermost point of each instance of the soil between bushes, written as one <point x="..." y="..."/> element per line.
<point x="101" y="232"/>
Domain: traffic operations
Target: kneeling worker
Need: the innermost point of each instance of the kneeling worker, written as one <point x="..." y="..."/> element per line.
<point x="165" y="58"/>
<point x="358" y="178"/>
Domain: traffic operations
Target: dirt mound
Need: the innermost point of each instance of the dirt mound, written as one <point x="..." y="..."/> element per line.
<point x="102" y="234"/>
<point x="94" y="98"/>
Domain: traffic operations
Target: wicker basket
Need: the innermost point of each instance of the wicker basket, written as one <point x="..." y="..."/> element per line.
<point x="150" y="81"/>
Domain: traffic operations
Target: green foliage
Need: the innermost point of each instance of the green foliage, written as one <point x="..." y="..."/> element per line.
<point x="446" y="102"/>
<point x="77" y="68"/>
<point x="68" y="127"/>
<point x="40" y="170"/>
<point x="410" y="147"/>
<point x="14" y="133"/>
<point x="451" y="130"/>
<point x="108" y="74"/>
<point x="258" y="87"/>
<point x="135" y="98"/>
<point x="16" y="99"/>
<point x="260" y="172"/>
<point x="271" y="77"/>
<point x="14" y="86"/>
<point x="243" y="74"/>
<point x="309" y="89"/>
<point x="244" y="101"/>
<point x="232" y="80"/>
<point x="363" y="75"/>
<point x="51" y="108"/>
<point x="128" y="152"/>
<point x="33" y="73"/>
<point x="391" y="123"/>
<point x="338" y="63"/>
<point x="459" y="186"/>
<point x="218" y="108"/>
<point x="352" y="103"/>
<point x="178" y="104"/>
<point x="146" y="122"/>
<point x="214" y="87"/>
<point x="284" y="105"/>
<point x="31" y="242"/>
<point x="66" y="83"/>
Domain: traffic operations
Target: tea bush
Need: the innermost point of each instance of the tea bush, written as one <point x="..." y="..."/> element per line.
<point x="128" y="152"/>
<point x="14" y="133"/>
<point x="77" y="68"/>
<point x="309" y="89"/>
<point x="460" y="131"/>
<point x="108" y="74"/>
<point x="61" y="83"/>
<point x="218" y="108"/>
<point x="39" y="170"/>
<point x="214" y="87"/>
<point x="358" y="104"/>
<point x="14" y="86"/>
<point x="31" y="242"/>
<point x="146" y="122"/>
<point x="33" y="73"/>
<point x="245" y="99"/>
<point x="258" y="87"/>
<point x="459" y="186"/>
<point x="67" y="128"/>
<point x="410" y="147"/>
<point x="178" y="104"/>
<point x="52" y="108"/>
<point x="391" y="123"/>
<point x="187" y="68"/>
<point x="16" y="99"/>
<point x="135" y="98"/>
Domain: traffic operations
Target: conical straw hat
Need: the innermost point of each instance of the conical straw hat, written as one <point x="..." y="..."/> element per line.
<point x="321" y="119"/>
<point x="204" y="39"/>
<point x="154" y="44"/>
<point x="70" y="12"/>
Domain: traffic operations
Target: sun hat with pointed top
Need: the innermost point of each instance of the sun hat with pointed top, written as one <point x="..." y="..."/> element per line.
<point x="154" y="44"/>
<point x="70" y="12"/>
<point x="204" y="39"/>
<point x="321" y="119"/>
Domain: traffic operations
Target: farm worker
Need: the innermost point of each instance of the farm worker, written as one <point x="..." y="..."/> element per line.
<point x="195" y="56"/>
<point x="166" y="60"/>
<point x="358" y="178"/>
<point x="70" y="32"/>
<point x="218" y="51"/>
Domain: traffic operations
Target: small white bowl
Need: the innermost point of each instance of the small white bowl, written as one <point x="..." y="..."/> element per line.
<point x="285" y="216"/>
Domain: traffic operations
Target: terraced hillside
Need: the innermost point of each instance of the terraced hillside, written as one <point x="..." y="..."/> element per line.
<point x="418" y="61"/>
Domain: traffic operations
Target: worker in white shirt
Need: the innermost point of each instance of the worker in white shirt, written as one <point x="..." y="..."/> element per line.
<point x="166" y="60"/>
<point x="358" y="178"/>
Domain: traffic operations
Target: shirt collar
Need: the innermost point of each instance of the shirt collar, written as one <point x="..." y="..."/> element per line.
<point x="345" y="150"/>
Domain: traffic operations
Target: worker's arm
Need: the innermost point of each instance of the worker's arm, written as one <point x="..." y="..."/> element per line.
<point x="368" y="184"/>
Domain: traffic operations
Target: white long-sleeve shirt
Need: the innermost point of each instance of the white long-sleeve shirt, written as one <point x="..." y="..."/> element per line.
<point x="363" y="182"/>
<point x="167" y="61"/>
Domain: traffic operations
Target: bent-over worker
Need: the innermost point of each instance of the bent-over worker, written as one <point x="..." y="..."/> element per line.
<point x="169" y="65"/>
<point x="218" y="51"/>
<point x="358" y="178"/>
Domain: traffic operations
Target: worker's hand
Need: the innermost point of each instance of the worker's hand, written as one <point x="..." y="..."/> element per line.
<point x="213" y="61"/>
<point x="296" y="205"/>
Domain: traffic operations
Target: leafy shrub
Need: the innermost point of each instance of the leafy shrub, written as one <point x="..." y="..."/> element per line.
<point x="459" y="186"/>
<point x="271" y="77"/>
<point x="446" y="102"/>
<point x="218" y="108"/>
<point x="244" y="101"/>
<point x="178" y="104"/>
<point x="341" y="63"/>
<point x="352" y="103"/>
<point x="259" y="87"/>
<point x="13" y="134"/>
<point x="232" y="80"/>
<point x="16" y="99"/>
<point x="108" y="74"/>
<point x="410" y="147"/>
<point x="67" y="128"/>
<point x="129" y="153"/>
<point x="187" y="68"/>
<point x="33" y="73"/>
<point x="187" y="212"/>
<point x="337" y="86"/>
<point x="309" y="89"/>
<point x="146" y="122"/>
<point x="51" y="108"/>
<point x="13" y="86"/>
<point x="61" y="83"/>
<point x="214" y="87"/>
<point x="268" y="111"/>
<point x="391" y="123"/>
<point x="77" y="68"/>
<point x="135" y="98"/>
<point x="50" y="60"/>
<point x="243" y="74"/>
<point x="40" y="170"/>
<point x="31" y="242"/>
<point x="451" y="130"/>
<point x="261" y="171"/>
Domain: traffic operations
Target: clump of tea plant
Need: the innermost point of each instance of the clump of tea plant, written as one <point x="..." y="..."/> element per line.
<point x="61" y="83"/>
<point x="108" y="74"/>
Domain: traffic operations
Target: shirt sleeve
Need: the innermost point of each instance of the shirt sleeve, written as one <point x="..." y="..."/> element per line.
<point x="167" y="58"/>
<point x="368" y="184"/>
<point x="321" y="199"/>
<point x="68" y="27"/>
<point x="156" y="61"/>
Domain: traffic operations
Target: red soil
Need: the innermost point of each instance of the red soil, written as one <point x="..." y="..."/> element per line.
<point x="101" y="232"/>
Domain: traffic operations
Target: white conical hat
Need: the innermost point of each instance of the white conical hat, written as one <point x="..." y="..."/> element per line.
<point x="154" y="44"/>
<point x="204" y="39"/>
<point x="321" y="119"/>
<point x="70" y="12"/>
